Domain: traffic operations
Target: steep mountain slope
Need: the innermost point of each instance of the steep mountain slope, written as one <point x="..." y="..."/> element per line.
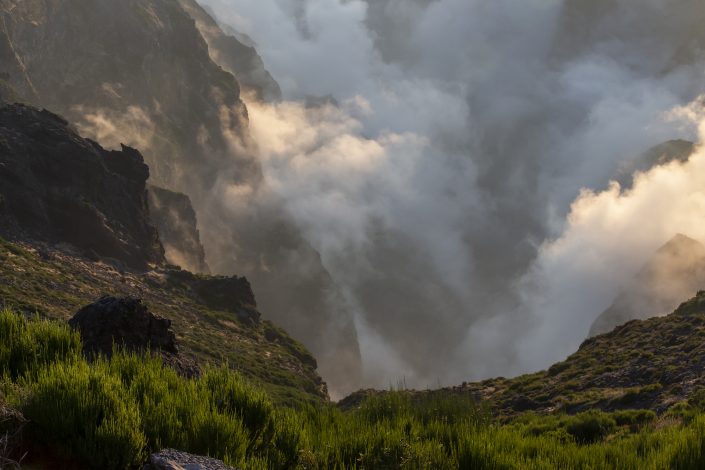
<point x="78" y="228"/>
<point x="240" y="59"/>
<point x="140" y="72"/>
<point x="59" y="187"/>
<point x="676" y="272"/>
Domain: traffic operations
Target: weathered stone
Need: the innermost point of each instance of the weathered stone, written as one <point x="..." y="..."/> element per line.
<point x="126" y="322"/>
<point x="175" y="219"/>
<point x="170" y="459"/>
<point x="59" y="187"/>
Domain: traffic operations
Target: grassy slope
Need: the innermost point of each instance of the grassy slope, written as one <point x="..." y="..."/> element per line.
<point x="55" y="284"/>
<point x="650" y="364"/>
<point x="112" y="414"/>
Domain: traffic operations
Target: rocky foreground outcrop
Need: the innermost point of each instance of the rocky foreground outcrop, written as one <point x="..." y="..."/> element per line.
<point x="40" y="278"/>
<point x="59" y="187"/>
<point x="127" y="323"/>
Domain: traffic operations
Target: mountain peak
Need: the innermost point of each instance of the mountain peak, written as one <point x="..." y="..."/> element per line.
<point x="676" y="271"/>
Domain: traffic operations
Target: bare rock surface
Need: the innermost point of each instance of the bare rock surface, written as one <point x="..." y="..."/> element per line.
<point x="170" y="459"/>
<point x="126" y="322"/>
<point x="59" y="187"/>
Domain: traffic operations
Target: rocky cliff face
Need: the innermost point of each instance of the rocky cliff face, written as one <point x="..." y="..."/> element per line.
<point x="676" y="272"/>
<point x="140" y="72"/>
<point x="57" y="186"/>
<point x="236" y="57"/>
<point x="176" y="223"/>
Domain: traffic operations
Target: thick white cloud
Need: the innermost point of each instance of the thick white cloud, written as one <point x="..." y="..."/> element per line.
<point x="458" y="135"/>
<point x="608" y="236"/>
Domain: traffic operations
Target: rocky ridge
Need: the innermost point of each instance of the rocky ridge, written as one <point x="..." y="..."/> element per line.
<point x="238" y="58"/>
<point x="59" y="187"/>
<point x="40" y="278"/>
<point x="175" y="219"/>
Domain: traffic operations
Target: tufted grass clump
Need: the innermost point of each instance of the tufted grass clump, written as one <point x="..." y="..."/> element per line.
<point x="28" y="345"/>
<point x="84" y="413"/>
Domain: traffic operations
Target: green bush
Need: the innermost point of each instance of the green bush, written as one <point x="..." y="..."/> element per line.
<point x="84" y="413"/>
<point x="633" y="417"/>
<point x="590" y="426"/>
<point x="28" y="345"/>
<point x="232" y="396"/>
<point x="179" y="413"/>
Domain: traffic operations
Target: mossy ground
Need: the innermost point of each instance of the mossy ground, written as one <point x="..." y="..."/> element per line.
<point x="53" y="284"/>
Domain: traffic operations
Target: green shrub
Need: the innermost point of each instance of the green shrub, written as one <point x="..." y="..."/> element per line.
<point x="697" y="399"/>
<point x="177" y="412"/>
<point x="84" y="413"/>
<point x="28" y="345"/>
<point x="633" y="417"/>
<point x="690" y="449"/>
<point x="232" y="396"/>
<point x="590" y="426"/>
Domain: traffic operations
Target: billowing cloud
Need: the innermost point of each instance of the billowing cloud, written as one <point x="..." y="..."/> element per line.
<point x="431" y="150"/>
<point x="608" y="236"/>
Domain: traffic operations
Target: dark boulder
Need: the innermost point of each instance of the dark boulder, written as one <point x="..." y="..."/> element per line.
<point x="126" y="322"/>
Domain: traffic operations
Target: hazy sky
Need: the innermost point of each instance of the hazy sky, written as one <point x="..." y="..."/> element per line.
<point x="442" y="183"/>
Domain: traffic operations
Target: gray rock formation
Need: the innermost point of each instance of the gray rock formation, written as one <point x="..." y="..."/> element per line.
<point x="59" y="187"/>
<point x="176" y="223"/>
<point x="663" y="154"/>
<point x="125" y="322"/>
<point x="238" y="58"/>
<point x="170" y="459"/>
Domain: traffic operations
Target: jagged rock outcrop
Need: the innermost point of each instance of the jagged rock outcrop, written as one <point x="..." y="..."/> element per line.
<point x="238" y="58"/>
<point x="140" y="72"/>
<point x="228" y="294"/>
<point x="59" y="187"/>
<point x="170" y="459"/>
<point x="126" y="322"/>
<point x="175" y="219"/>
<point x="675" y="272"/>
